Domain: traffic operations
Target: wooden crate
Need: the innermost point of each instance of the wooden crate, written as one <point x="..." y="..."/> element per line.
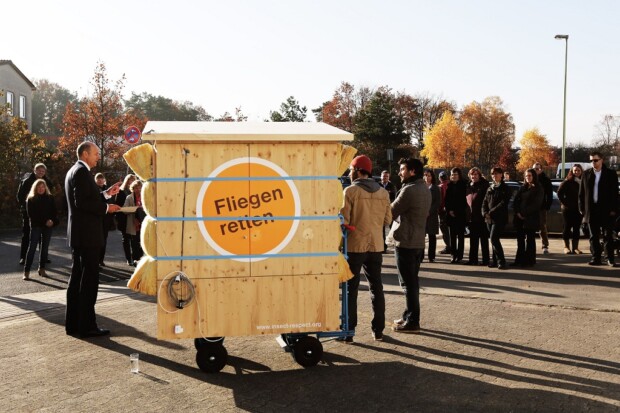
<point x="275" y="274"/>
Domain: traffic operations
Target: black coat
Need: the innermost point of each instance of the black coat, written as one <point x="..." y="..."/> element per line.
<point x="40" y="209"/>
<point x="547" y="187"/>
<point x="568" y="193"/>
<point x="496" y="202"/>
<point x="528" y="202"/>
<point x="24" y="188"/>
<point x="87" y="208"/>
<point x="456" y="202"/>
<point x="475" y="197"/>
<point x="607" y="193"/>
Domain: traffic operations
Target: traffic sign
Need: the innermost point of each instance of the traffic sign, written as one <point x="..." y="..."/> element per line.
<point x="132" y="135"/>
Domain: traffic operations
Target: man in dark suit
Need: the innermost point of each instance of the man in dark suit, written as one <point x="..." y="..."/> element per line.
<point x="598" y="203"/>
<point x="87" y="207"/>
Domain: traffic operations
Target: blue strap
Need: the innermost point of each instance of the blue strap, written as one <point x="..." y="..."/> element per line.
<point x="260" y="218"/>
<point x="246" y="178"/>
<point x="246" y="256"/>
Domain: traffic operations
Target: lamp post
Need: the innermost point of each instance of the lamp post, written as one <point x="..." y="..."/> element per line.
<point x="565" y="37"/>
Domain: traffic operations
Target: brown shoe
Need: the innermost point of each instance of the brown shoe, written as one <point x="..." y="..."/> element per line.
<point x="42" y="272"/>
<point x="26" y="276"/>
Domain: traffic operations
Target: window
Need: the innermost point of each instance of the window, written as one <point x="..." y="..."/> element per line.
<point x="22" y="107"/>
<point x="9" y="101"/>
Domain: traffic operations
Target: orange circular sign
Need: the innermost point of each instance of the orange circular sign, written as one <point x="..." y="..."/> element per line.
<point x="253" y="206"/>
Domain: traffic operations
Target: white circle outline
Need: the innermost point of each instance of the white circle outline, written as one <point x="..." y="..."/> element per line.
<point x="239" y="161"/>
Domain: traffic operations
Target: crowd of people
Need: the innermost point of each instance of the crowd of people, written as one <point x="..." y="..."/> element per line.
<point x="424" y="206"/>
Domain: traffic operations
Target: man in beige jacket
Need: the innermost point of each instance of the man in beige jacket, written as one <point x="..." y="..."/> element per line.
<point x="367" y="208"/>
<point x="410" y="210"/>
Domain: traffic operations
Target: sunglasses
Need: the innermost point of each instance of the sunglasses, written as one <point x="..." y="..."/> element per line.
<point x="594" y="160"/>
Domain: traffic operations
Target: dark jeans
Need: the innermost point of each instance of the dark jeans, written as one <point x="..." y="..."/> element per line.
<point x="572" y="223"/>
<point x="445" y="230"/>
<point x="495" y="231"/>
<point x="457" y="241"/>
<point x="82" y="290"/>
<point x="371" y="263"/>
<point x="599" y="223"/>
<point x="408" y="264"/>
<point x="478" y="233"/>
<point x="38" y="235"/>
<point x="136" y="249"/>
<point x="526" y="246"/>
<point x="25" y="234"/>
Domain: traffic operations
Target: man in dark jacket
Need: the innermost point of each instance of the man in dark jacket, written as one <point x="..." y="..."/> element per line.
<point x="545" y="182"/>
<point x="22" y="193"/>
<point x="87" y="208"/>
<point x="598" y="203"/>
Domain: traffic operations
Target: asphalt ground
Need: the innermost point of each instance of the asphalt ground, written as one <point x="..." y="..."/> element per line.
<point x="541" y="339"/>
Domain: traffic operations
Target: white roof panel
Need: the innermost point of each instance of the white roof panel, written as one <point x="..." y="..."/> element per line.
<point x="243" y="131"/>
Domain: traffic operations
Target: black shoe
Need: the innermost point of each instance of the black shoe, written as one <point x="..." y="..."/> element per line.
<point x="453" y="261"/>
<point x="611" y="263"/>
<point x="408" y="328"/>
<point x="471" y="263"/>
<point x="445" y="251"/>
<point x="431" y="260"/>
<point x="492" y="265"/>
<point x="501" y="266"/>
<point x="95" y="332"/>
<point x="130" y="263"/>
<point x="22" y="261"/>
<point x="377" y="336"/>
<point x="345" y="340"/>
<point x="595" y="261"/>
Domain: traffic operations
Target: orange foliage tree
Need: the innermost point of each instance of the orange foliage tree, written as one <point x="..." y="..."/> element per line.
<point x="99" y="118"/>
<point x="445" y="144"/>
<point x="535" y="148"/>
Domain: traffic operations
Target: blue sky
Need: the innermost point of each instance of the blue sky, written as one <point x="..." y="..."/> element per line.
<point x="254" y="54"/>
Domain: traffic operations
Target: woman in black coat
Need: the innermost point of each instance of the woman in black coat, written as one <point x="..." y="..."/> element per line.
<point x="42" y="215"/>
<point x="478" y="232"/>
<point x="571" y="217"/>
<point x="495" y="213"/>
<point x="121" y="217"/>
<point x="432" y="221"/>
<point x="527" y="204"/>
<point x="456" y="207"/>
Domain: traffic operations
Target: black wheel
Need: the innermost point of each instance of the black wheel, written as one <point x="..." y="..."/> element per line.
<point x="212" y="358"/>
<point x="209" y="341"/>
<point x="308" y="351"/>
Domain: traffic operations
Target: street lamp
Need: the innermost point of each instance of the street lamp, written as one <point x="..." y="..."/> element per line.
<point x="565" y="37"/>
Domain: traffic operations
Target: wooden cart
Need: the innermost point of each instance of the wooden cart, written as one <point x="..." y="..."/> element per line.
<point x="247" y="231"/>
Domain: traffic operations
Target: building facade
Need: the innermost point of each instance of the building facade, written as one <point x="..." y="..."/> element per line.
<point x="17" y="91"/>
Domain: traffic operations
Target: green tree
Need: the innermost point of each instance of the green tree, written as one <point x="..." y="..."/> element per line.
<point x="165" y="109"/>
<point x="290" y="111"/>
<point x="49" y="104"/>
<point x="379" y="127"/>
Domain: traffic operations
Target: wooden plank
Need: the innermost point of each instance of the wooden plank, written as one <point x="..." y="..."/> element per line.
<point x="254" y="306"/>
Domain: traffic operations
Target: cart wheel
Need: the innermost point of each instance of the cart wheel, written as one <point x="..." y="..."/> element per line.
<point x="209" y="341"/>
<point x="211" y="359"/>
<point x="308" y="351"/>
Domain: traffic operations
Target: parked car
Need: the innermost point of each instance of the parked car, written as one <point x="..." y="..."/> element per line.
<point x="554" y="215"/>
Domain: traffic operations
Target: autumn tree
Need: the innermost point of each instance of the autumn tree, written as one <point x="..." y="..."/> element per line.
<point x="489" y="130"/>
<point x="49" y="103"/>
<point x="445" y="143"/>
<point x="99" y="118"/>
<point x="20" y="150"/>
<point x="161" y="108"/>
<point x="341" y="110"/>
<point x="534" y="148"/>
<point x="290" y="111"/>
<point x="422" y="112"/>
<point x="237" y="117"/>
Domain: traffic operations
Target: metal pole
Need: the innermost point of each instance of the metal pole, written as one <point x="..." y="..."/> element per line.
<point x="564" y="124"/>
<point x="565" y="37"/>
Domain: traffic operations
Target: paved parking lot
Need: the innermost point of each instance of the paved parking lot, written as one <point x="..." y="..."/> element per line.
<point x="537" y="340"/>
